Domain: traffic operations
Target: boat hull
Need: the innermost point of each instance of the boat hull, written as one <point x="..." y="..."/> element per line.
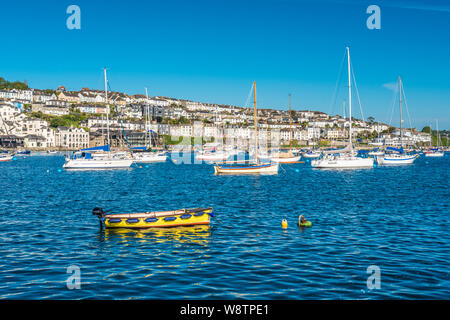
<point x="434" y="154"/>
<point x="392" y="161"/>
<point x="287" y="160"/>
<point x="149" y="158"/>
<point x="271" y="168"/>
<point x="168" y="219"/>
<point x="311" y="155"/>
<point x="351" y="163"/>
<point x="96" y="164"/>
<point x="212" y="157"/>
<point x="6" y="159"/>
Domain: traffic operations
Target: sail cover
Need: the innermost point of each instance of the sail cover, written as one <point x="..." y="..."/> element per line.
<point x="395" y="149"/>
<point x="99" y="148"/>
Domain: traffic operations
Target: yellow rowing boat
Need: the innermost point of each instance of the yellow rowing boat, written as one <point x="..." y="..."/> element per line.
<point x="160" y="219"/>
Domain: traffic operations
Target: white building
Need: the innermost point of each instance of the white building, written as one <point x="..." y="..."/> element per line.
<point x="71" y="138"/>
<point x="14" y="94"/>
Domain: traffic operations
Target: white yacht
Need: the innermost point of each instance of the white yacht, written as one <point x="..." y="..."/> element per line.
<point x="4" y="157"/>
<point x="149" y="157"/>
<point x="344" y="158"/>
<point x="397" y="156"/>
<point x="311" y="154"/>
<point x="98" y="157"/>
<point x="213" y="152"/>
<point x="436" y="152"/>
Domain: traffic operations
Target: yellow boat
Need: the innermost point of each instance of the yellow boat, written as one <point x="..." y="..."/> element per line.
<point x="160" y="219"/>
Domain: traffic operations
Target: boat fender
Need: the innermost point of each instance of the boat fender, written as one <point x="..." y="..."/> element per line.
<point x="199" y="214"/>
<point x="170" y="218"/>
<point x="284" y="224"/>
<point x="115" y="220"/>
<point x="148" y="220"/>
<point x="185" y="216"/>
<point x="131" y="220"/>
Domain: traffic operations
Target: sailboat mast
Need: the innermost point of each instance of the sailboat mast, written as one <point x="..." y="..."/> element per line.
<point x="147" y="116"/>
<point x="107" y="107"/>
<point x="290" y="123"/>
<point x="400" y="103"/>
<point x="256" y="123"/>
<point x="349" y="99"/>
<point x="438" y="138"/>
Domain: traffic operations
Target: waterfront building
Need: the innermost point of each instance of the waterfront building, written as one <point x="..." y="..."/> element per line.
<point x="71" y="138"/>
<point x="34" y="142"/>
<point x="11" y="141"/>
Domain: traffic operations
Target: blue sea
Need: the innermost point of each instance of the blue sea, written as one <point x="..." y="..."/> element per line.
<point x="391" y="219"/>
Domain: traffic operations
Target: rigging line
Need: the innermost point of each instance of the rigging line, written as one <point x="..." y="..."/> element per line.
<point x="121" y="123"/>
<point x="357" y="92"/>
<point x="338" y="80"/>
<point x="394" y="100"/>
<point x="406" y="105"/>
<point x="247" y="102"/>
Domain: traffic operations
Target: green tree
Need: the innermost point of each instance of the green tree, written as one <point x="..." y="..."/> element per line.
<point x="426" y="129"/>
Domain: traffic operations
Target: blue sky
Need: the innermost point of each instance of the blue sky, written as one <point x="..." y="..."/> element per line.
<point x="211" y="51"/>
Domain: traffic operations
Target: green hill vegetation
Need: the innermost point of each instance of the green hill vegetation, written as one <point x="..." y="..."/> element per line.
<point x="73" y="119"/>
<point x="4" y="84"/>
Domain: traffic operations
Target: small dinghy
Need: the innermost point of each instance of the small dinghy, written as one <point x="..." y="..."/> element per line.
<point x="160" y="219"/>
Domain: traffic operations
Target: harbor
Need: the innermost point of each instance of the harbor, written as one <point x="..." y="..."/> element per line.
<point x="359" y="217"/>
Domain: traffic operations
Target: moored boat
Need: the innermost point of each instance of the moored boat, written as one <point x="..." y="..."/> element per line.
<point x="397" y="156"/>
<point x="86" y="159"/>
<point x="396" y="159"/>
<point x="344" y="158"/>
<point x="145" y="156"/>
<point x="254" y="167"/>
<point x="311" y="154"/>
<point x="4" y="157"/>
<point x="289" y="156"/>
<point x="159" y="219"/>
<point x="286" y="157"/>
<point x="436" y="152"/>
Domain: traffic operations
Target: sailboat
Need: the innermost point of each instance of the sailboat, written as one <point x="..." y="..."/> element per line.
<point x="144" y="154"/>
<point x="90" y="159"/>
<point x="212" y="152"/>
<point x="252" y="167"/>
<point x="4" y="157"/>
<point x="437" y="152"/>
<point x="346" y="157"/>
<point x="287" y="157"/>
<point x="397" y="156"/>
<point x="314" y="153"/>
